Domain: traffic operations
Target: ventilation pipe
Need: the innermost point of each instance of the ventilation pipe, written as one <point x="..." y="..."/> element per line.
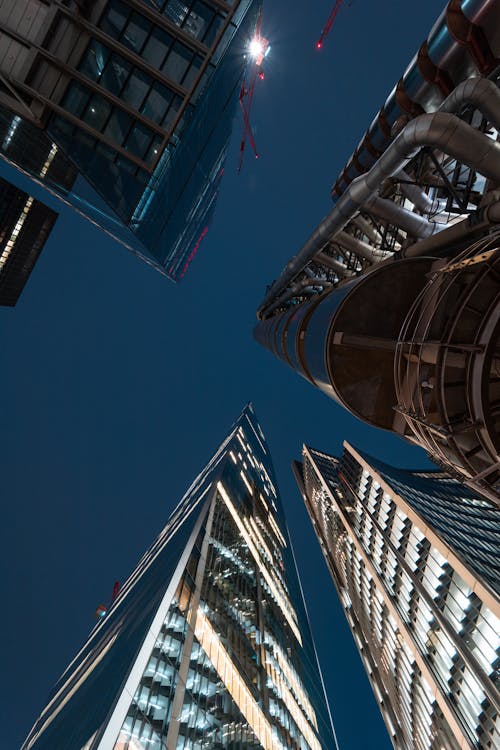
<point x="481" y="93"/>
<point x="364" y="226"/>
<point x="414" y="193"/>
<point x="357" y="246"/>
<point x="334" y="264"/>
<point x="305" y="285"/>
<point x="413" y="224"/>
<point x="439" y="130"/>
<point x="453" y="236"/>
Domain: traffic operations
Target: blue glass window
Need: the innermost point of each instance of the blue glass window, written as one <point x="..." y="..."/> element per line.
<point x="115" y="18"/>
<point x="157" y="102"/>
<point x="115" y="74"/>
<point x="139" y="140"/>
<point x="97" y="112"/>
<point x="118" y="127"/>
<point x="173" y="109"/>
<point x="202" y="23"/>
<point x="136" y="32"/>
<point x="176" y="11"/>
<point x="136" y="88"/>
<point x="192" y="73"/>
<point x="157" y="47"/>
<point x="94" y="60"/>
<point x="76" y="98"/>
<point x="153" y="150"/>
<point x="178" y="62"/>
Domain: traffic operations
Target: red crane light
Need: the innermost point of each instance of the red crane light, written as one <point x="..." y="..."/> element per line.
<point x="259" y="47"/>
<point x="328" y="25"/>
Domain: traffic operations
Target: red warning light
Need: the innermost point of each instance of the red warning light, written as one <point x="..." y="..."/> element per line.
<point x="331" y="18"/>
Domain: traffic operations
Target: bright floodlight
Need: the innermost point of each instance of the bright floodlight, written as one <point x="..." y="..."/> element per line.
<point x="256" y="48"/>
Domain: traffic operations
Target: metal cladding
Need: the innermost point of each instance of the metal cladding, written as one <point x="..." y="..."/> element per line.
<point x="412" y="555"/>
<point x="440" y="129"/>
<point x="464" y="42"/>
<point x="407" y="346"/>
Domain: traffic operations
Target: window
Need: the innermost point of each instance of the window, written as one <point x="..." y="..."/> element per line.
<point x="157" y="102"/>
<point x="115" y="74"/>
<point x="199" y="20"/>
<point x="157" y="47"/>
<point x="118" y="127"/>
<point x="175" y="11"/>
<point x="139" y="140"/>
<point x="76" y="98"/>
<point x="115" y="18"/>
<point x="136" y="89"/>
<point x="94" y="60"/>
<point x="192" y="73"/>
<point x="172" y="112"/>
<point x="178" y="62"/>
<point x="154" y="150"/>
<point x="97" y="112"/>
<point x="136" y="32"/>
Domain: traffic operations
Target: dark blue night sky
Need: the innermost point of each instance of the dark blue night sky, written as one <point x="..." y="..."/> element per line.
<point x="118" y="385"/>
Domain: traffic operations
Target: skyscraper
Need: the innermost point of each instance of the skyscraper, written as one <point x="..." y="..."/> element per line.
<point x="207" y="645"/>
<point x="392" y="305"/>
<point x="25" y="225"/>
<point x="414" y="557"/>
<point x="139" y="95"/>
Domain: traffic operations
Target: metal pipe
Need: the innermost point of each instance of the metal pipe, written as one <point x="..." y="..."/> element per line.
<point x="364" y="226"/>
<point x="414" y="193"/>
<point x="297" y="288"/>
<point x="452" y="236"/>
<point x="334" y="264"/>
<point x="411" y="223"/>
<point x="355" y="245"/>
<point x="447" y="57"/>
<point x="481" y="93"/>
<point x="439" y="130"/>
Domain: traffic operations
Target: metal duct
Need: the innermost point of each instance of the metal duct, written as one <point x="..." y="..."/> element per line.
<point x="334" y="264"/>
<point x="413" y="224"/>
<point x="414" y="193"/>
<point x="298" y="288"/>
<point x="481" y="93"/>
<point x="439" y="130"/>
<point x="484" y="96"/>
<point x="354" y="245"/>
<point x="431" y="76"/>
<point x="364" y="226"/>
<point x="453" y="236"/>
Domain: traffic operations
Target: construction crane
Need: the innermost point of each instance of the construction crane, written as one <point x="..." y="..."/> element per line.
<point x="328" y="25"/>
<point x="258" y="49"/>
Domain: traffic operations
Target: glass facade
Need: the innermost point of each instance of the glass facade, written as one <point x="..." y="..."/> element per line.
<point x="141" y="96"/>
<point x="414" y="557"/>
<point x="207" y="644"/>
<point x="25" y="225"/>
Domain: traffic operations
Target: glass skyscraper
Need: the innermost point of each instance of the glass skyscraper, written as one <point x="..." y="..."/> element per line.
<point x="207" y="644"/>
<point x="140" y="96"/>
<point x="25" y="225"/>
<point x="414" y="556"/>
